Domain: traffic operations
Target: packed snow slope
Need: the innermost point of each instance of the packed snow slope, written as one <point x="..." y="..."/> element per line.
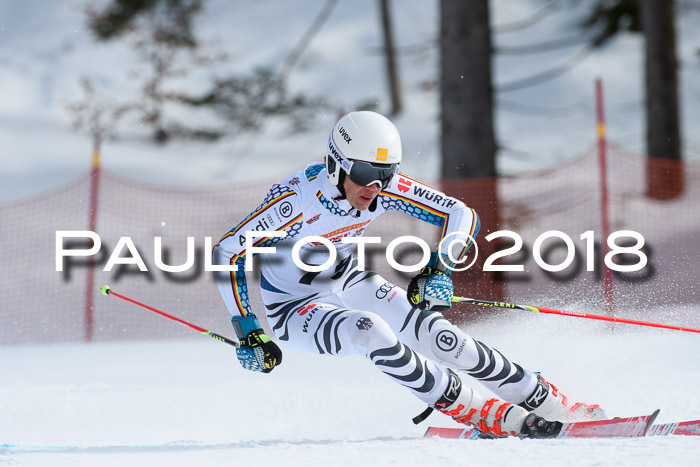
<point x="182" y="403"/>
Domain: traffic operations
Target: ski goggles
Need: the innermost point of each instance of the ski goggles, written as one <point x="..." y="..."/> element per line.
<point x="364" y="173"/>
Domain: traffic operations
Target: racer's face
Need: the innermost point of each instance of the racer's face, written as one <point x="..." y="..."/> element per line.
<point x="360" y="197"/>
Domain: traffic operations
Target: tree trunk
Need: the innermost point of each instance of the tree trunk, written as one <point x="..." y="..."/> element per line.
<point x="468" y="140"/>
<point x="664" y="178"/>
<point x="466" y="100"/>
<point x="390" y="55"/>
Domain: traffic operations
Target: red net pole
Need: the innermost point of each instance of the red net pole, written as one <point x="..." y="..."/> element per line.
<point x="90" y="282"/>
<point x="602" y="148"/>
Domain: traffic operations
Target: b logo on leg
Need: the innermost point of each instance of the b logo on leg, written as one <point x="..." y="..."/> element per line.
<point x="446" y="340"/>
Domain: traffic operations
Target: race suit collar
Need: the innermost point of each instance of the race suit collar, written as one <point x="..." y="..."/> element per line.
<point x="331" y="193"/>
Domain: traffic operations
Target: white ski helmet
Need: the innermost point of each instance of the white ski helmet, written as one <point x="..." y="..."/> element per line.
<point x="367" y="146"/>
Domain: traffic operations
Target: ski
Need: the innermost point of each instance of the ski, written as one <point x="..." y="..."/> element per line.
<point x="631" y="427"/>
<point x="689" y="428"/>
<point x="452" y="433"/>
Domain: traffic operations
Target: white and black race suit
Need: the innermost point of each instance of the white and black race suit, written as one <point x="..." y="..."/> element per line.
<point x="343" y="310"/>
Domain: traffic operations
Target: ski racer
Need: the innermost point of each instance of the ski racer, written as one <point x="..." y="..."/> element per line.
<point x="339" y="310"/>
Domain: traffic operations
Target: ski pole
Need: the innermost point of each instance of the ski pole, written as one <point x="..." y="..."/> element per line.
<point x="106" y="290"/>
<point x="576" y="314"/>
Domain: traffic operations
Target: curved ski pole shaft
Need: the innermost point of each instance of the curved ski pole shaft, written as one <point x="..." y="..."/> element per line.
<point x="575" y="314"/>
<point x="106" y="290"/>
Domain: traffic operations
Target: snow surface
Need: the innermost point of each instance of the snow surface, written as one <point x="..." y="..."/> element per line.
<point x="184" y="403"/>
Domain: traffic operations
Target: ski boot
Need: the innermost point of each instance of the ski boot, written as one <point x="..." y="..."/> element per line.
<point x="493" y="417"/>
<point x="548" y="402"/>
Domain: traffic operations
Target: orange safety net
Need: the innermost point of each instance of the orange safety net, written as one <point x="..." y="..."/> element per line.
<point x="39" y="304"/>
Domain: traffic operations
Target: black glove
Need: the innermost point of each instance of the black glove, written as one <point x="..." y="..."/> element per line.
<point x="257" y="352"/>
